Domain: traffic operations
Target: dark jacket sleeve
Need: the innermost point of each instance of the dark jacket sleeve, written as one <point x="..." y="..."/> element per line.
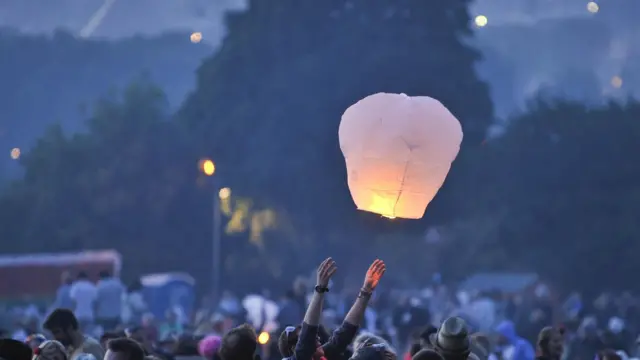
<point x="339" y="341"/>
<point x="306" y="345"/>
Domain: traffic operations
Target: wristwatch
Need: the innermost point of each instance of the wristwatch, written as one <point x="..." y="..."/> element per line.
<point x="364" y="294"/>
<point x="321" y="289"/>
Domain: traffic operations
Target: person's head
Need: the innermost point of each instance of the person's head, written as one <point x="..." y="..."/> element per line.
<point x="148" y="319"/>
<point x="135" y="333"/>
<point x="134" y="286"/>
<point x="218" y="323"/>
<point x="427" y="354"/>
<point x="289" y="295"/>
<point x="124" y="349"/>
<point x="105" y="274"/>
<point x="368" y="339"/>
<point x="550" y="342"/>
<point x="380" y="351"/>
<point x="240" y="343"/>
<point x="209" y="346"/>
<point x="506" y="332"/>
<point x="608" y="355"/>
<point x="104" y="339"/>
<point x="452" y="339"/>
<point x="82" y="275"/>
<point x="414" y="348"/>
<point x="62" y="325"/>
<point x="50" y="350"/>
<point x="425" y="335"/>
<point x="289" y="338"/>
<point x="170" y="315"/>
<point x="65" y="278"/>
<point x="15" y="350"/>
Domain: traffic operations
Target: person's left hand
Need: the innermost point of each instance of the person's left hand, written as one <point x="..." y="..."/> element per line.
<point x="374" y="274"/>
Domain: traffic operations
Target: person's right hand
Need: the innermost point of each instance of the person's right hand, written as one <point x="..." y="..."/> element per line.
<point x="325" y="271"/>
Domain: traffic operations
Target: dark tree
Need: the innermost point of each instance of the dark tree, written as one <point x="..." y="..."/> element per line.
<point x="268" y="105"/>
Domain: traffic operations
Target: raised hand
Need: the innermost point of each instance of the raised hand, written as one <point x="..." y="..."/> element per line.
<point x="374" y="274"/>
<point x="325" y="271"/>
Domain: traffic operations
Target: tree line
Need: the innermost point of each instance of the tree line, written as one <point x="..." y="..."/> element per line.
<point x="556" y="193"/>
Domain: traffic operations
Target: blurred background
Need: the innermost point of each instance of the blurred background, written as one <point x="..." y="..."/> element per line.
<point x="200" y="137"/>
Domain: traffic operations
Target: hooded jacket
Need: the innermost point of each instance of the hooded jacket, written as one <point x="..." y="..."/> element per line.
<point x="522" y="348"/>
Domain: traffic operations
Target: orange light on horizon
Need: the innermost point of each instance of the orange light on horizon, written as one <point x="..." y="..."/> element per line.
<point x="196" y="37"/>
<point x="207" y="167"/>
<point x="15" y="153"/>
<point x="616" y="82"/>
<point x="224" y="193"/>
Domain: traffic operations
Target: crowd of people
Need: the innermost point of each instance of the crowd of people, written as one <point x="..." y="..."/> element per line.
<point x="87" y="323"/>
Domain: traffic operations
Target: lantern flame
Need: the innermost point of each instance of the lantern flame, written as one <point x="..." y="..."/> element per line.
<point x="382" y="206"/>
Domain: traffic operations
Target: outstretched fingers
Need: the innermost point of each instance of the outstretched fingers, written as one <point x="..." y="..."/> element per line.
<point x="327" y="268"/>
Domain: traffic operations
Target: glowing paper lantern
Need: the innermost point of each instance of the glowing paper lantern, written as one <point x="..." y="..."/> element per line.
<point x="398" y="150"/>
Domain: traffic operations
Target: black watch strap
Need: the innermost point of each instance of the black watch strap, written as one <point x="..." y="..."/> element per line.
<point x="364" y="294"/>
<point x="321" y="289"/>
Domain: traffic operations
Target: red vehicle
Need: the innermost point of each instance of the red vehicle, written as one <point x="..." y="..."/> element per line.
<point x="39" y="275"/>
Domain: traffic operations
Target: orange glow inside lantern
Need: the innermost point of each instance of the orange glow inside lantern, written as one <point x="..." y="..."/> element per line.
<point x="398" y="151"/>
<point x="381" y="205"/>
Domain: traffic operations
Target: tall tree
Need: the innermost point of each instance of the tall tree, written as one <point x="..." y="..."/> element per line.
<point x="124" y="181"/>
<point x="566" y="177"/>
<point x="268" y="105"/>
<point x="46" y="79"/>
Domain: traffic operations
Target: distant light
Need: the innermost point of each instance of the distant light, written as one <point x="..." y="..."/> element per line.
<point x="224" y="193"/>
<point x="15" y="153"/>
<point x="196" y="37"/>
<point x="593" y="7"/>
<point x="616" y="82"/>
<point x="207" y="167"/>
<point x="481" y="21"/>
<point x="263" y="338"/>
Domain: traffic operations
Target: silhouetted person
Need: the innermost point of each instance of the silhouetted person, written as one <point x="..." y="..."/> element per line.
<point x="427" y="354"/>
<point x="124" y="349"/>
<point x="452" y="340"/>
<point x="550" y="344"/>
<point x="64" y="327"/>
<point x="14" y="350"/>
<point x="240" y="343"/>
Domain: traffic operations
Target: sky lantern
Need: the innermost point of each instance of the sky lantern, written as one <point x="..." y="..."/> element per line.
<point x="398" y="150"/>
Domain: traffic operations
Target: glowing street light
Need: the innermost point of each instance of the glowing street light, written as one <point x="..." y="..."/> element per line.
<point x="196" y="37"/>
<point x="207" y="167"/>
<point x="15" y="153"/>
<point x="224" y="193"/>
<point x="481" y="21"/>
<point x="593" y="7"/>
<point x="616" y="82"/>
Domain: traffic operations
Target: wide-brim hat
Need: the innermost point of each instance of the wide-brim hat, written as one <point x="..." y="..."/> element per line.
<point x="452" y="336"/>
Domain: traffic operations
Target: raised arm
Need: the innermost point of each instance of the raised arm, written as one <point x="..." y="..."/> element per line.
<point x="307" y="340"/>
<point x="344" y="335"/>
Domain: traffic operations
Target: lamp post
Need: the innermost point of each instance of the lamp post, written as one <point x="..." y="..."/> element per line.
<point x="208" y="168"/>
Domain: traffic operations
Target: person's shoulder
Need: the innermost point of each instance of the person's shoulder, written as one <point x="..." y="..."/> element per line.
<point x="90" y="342"/>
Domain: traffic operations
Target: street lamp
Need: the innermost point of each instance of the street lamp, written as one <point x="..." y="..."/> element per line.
<point x="208" y="168"/>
